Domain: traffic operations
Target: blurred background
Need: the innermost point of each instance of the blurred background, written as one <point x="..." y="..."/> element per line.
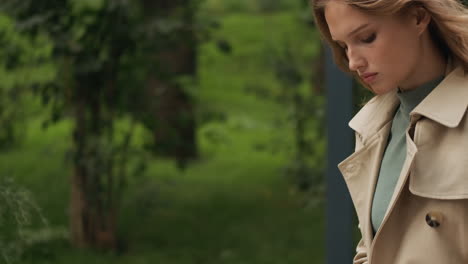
<point x="161" y="131"/>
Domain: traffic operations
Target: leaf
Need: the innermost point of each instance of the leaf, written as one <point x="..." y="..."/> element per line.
<point x="33" y="21"/>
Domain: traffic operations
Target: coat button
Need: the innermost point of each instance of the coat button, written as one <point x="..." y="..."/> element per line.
<point x="434" y="219"/>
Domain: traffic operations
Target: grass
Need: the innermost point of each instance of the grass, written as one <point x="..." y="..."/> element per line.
<point x="233" y="205"/>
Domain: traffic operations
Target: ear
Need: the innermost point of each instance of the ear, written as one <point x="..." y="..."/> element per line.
<point x="421" y="19"/>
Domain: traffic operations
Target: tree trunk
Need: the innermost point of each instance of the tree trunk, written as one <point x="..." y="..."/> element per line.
<point x="175" y="57"/>
<point x="92" y="207"/>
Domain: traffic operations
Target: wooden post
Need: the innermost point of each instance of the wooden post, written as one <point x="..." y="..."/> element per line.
<point x="339" y="209"/>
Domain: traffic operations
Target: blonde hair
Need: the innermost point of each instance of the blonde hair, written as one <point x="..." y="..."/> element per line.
<point x="448" y="26"/>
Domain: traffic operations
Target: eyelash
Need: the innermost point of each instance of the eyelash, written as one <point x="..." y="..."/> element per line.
<point x="369" y="40"/>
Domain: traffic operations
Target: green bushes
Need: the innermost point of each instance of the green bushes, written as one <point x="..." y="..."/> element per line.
<point x="250" y="6"/>
<point x="233" y="205"/>
<point x="19" y="214"/>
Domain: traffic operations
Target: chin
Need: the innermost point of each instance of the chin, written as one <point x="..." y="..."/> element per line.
<point x="378" y="90"/>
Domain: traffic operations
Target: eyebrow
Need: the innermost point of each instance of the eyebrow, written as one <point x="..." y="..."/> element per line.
<point x="355" y="30"/>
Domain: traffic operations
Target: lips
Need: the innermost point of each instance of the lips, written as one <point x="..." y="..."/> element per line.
<point x="368" y="77"/>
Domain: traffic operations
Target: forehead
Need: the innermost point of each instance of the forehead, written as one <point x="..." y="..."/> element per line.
<point x="342" y="19"/>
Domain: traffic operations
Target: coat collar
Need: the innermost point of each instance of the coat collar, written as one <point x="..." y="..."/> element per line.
<point x="446" y="104"/>
<point x="374" y="115"/>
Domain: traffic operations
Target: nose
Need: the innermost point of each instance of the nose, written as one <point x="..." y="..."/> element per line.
<point x="356" y="60"/>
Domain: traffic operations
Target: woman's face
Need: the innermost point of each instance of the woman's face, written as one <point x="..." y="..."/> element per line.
<point x="383" y="50"/>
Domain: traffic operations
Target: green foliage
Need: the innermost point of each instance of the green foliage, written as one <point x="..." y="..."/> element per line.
<point x="303" y="105"/>
<point x="90" y="40"/>
<point x="24" y="63"/>
<point x="275" y="5"/>
<point x="250" y="6"/>
<point x="228" y="209"/>
<point x="19" y="212"/>
<point x="232" y="207"/>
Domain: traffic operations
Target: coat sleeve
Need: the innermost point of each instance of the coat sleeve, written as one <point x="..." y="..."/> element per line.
<point x="361" y="253"/>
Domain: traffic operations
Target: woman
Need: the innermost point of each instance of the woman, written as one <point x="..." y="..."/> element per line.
<point x="408" y="177"/>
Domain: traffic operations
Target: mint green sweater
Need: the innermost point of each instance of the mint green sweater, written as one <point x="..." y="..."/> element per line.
<point x="395" y="153"/>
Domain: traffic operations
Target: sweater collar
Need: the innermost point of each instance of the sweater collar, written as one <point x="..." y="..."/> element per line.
<point x="410" y="99"/>
<point x="445" y="104"/>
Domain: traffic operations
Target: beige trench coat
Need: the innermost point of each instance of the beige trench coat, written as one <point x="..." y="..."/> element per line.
<point x="427" y="219"/>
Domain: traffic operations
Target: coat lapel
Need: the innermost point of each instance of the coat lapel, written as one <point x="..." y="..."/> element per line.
<point x="360" y="171"/>
<point x="446" y="105"/>
<point x="372" y="126"/>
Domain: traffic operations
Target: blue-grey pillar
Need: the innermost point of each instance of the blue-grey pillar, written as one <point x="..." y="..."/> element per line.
<point x="339" y="209"/>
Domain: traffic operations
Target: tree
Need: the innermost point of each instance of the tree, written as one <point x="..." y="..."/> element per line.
<point x="24" y="61"/>
<point x="19" y="213"/>
<point x="92" y="40"/>
<point x="104" y="50"/>
<point x="174" y="57"/>
<point x="304" y="105"/>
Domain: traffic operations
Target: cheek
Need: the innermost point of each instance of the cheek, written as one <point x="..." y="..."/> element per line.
<point x="402" y="50"/>
<point x="396" y="58"/>
<point x="389" y="52"/>
<point x="386" y="60"/>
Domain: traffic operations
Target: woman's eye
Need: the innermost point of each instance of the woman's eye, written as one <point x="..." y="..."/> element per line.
<point x="370" y="39"/>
